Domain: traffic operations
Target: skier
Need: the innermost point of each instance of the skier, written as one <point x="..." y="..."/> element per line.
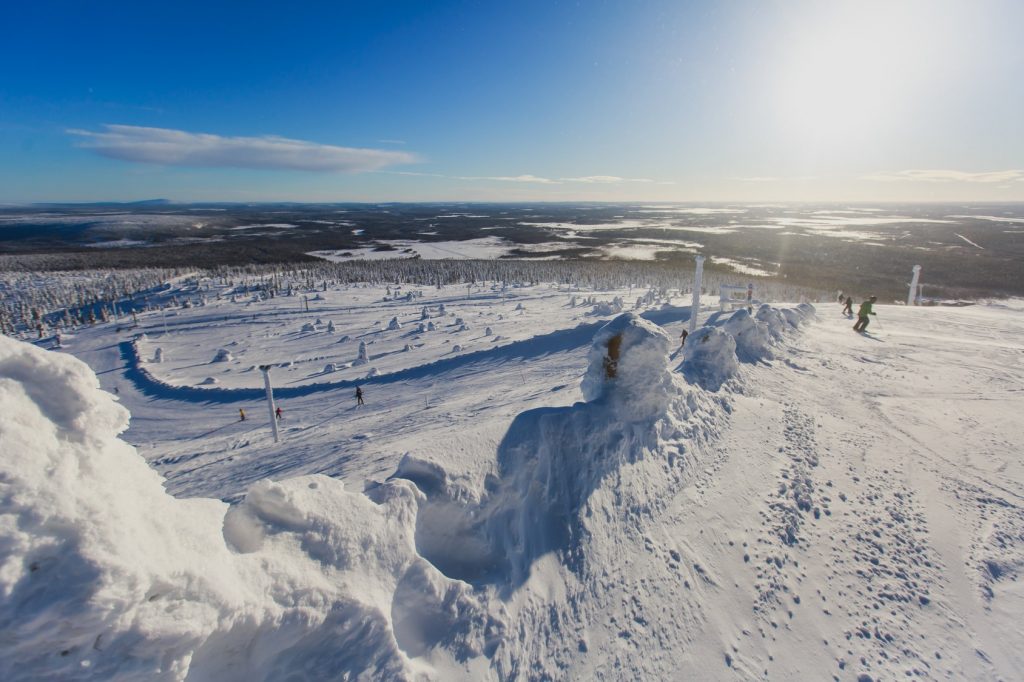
<point x="277" y="413"/>
<point x="848" y="310"/>
<point x="862" y="314"/>
<point x="241" y="414"/>
<point x="682" y="337"/>
<point x="359" y="396"/>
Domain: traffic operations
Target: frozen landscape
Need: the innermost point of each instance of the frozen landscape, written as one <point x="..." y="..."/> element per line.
<point x="542" y="484"/>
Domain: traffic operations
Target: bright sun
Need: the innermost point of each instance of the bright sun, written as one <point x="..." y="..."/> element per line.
<point x="844" y="76"/>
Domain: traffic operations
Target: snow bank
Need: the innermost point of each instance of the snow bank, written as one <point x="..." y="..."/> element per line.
<point x="104" y="574"/>
<point x="709" y="358"/>
<point x="753" y="341"/>
<point x="561" y="471"/>
<point x="636" y="381"/>
<point x="711" y="355"/>
<point x="773" y="321"/>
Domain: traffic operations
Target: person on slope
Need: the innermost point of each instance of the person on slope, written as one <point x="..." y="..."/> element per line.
<point x="862" y="314"/>
<point x="277" y="413"/>
<point x="241" y="414"/>
<point x="682" y="337"/>
<point x="359" y="396"/>
<point x="848" y="309"/>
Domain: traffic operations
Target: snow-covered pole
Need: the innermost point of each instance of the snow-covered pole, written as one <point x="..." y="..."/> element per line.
<point x="698" y="276"/>
<point x="913" y="285"/>
<point x="270" y="401"/>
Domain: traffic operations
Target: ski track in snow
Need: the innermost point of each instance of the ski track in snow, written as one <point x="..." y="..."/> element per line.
<point x="855" y="509"/>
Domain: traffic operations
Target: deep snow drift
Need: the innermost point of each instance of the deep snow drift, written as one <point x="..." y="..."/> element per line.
<point x="107" y="574"/>
<point x="752" y="505"/>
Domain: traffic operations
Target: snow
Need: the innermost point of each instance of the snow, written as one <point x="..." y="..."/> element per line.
<point x="780" y="498"/>
<point x="480" y="248"/>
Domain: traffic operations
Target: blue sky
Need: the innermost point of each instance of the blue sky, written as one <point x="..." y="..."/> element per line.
<point x="396" y="101"/>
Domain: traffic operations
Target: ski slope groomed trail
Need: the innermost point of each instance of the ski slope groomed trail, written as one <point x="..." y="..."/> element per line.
<point x="581" y="499"/>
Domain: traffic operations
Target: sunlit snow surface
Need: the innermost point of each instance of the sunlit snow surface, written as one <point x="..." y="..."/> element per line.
<point x="814" y="503"/>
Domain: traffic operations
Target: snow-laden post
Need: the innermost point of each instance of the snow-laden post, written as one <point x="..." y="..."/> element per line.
<point x="698" y="276"/>
<point x="913" y="285"/>
<point x="270" y="401"/>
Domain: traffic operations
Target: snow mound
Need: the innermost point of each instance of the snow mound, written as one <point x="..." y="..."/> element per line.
<point x="773" y="321"/>
<point x="753" y="341"/>
<point x="223" y="355"/>
<point x="627" y="367"/>
<point x="711" y="355"/>
<point x="364" y="354"/>
<point x="309" y="327"/>
<point x="394" y="324"/>
<point x="709" y="358"/>
<point x="563" y="472"/>
<point x="104" y="575"/>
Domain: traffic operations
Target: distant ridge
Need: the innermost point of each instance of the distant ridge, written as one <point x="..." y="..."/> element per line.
<point x="144" y="202"/>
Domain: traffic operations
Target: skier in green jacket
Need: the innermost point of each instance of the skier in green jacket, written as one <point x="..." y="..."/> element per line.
<point x="862" y="314"/>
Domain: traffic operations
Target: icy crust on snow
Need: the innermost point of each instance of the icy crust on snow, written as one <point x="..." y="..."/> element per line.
<point x="712" y="354"/>
<point x="105" y="575"/>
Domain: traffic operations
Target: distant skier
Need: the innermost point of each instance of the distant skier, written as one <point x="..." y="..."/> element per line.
<point x="840" y="297"/>
<point x="682" y="337"/>
<point x="862" y="314"/>
<point x="848" y="310"/>
<point x="241" y="414"/>
<point x="359" y="396"/>
<point x="277" y="413"/>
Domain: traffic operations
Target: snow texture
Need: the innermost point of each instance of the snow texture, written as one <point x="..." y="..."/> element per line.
<point x="105" y="575"/>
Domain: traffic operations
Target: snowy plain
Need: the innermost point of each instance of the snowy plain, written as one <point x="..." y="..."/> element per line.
<point x="779" y="498"/>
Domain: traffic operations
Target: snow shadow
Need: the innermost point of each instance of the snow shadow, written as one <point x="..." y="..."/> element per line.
<point x="544" y="344"/>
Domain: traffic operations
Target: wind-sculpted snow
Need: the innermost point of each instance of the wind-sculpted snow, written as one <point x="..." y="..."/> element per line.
<point x="712" y="354"/>
<point x="709" y="358"/>
<point x="640" y="385"/>
<point x="753" y="341"/>
<point x="105" y="575"/>
<point x="552" y="461"/>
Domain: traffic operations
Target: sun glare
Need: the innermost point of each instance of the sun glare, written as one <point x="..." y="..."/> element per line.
<point x="846" y="76"/>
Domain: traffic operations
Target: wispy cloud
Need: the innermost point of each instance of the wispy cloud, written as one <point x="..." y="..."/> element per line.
<point x="167" y="147"/>
<point x="772" y="178"/>
<point x="947" y="176"/>
<point x="534" y="179"/>
<point x="604" y="179"/>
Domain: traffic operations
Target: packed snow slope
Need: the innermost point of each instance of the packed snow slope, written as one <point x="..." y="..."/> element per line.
<point x="779" y="498"/>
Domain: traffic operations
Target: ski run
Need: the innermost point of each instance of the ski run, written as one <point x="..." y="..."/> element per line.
<point x="540" y="485"/>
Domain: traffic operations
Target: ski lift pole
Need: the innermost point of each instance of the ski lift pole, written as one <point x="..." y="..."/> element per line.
<point x="270" y="401"/>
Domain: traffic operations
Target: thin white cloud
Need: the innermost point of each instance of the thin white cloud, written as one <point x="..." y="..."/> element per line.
<point x="947" y="176"/>
<point x="512" y="178"/>
<point x="167" y="147"/>
<point x="534" y="179"/>
<point x="604" y="179"/>
<point x="772" y="178"/>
